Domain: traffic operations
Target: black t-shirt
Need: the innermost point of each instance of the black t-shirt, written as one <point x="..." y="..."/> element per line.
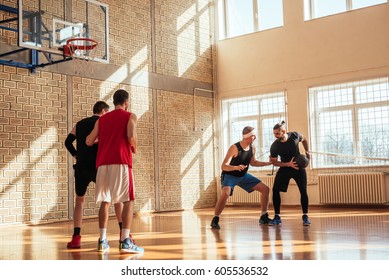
<point x="286" y="150"/>
<point x="86" y="154"/>
<point x="243" y="157"/>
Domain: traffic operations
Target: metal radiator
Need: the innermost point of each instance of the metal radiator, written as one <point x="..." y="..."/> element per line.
<point x="354" y="188"/>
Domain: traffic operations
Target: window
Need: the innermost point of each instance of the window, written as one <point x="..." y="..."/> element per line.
<point x="239" y="17"/>
<point x="321" y="8"/>
<point x="270" y="14"/>
<point x="261" y="112"/>
<point x="349" y="123"/>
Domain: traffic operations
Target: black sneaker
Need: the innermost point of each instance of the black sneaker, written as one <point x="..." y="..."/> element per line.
<point x="306" y="221"/>
<point x="276" y="221"/>
<point x="215" y="223"/>
<point x="264" y="219"/>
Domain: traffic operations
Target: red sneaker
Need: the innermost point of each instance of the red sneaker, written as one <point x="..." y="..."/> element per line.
<point x="75" y="242"/>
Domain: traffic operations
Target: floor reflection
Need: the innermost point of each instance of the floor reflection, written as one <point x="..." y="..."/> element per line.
<point x="335" y="234"/>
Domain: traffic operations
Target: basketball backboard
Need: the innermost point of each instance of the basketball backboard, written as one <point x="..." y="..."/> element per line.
<point x="46" y="25"/>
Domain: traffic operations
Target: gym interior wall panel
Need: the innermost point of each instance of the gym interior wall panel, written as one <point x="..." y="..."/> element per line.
<point x="35" y="168"/>
<point x="186" y="151"/>
<point x="184" y="35"/>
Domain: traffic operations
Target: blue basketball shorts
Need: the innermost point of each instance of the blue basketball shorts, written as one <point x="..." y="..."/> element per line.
<point x="247" y="182"/>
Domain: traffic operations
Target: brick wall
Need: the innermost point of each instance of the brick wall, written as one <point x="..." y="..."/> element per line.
<point x="130" y="33"/>
<point x="32" y="159"/>
<point x="37" y="111"/>
<point x="186" y="152"/>
<point x="183" y="38"/>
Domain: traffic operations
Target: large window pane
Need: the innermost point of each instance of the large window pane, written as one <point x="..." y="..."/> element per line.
<point x="376" y="91"/>
<point x="366" y="3"/>
<point x="240" y="17"/>
<point x="273" y="105"/>
<point x="221" y="19"/>
<point x="374" y="132"/>
<point x="268" y="137"/>
<point x="335" y="130"/>
<point x="246" y="108"/>
<point x="270" y="14"/>
<point x="334" y="136"/>
<point x="349" y="123"/>
<point x="261" y="112"/>
<point x="328" y="7"/>
<point x="332" y="97"/>
<point x="321" y="8"/>
<point x="237" y="127"/>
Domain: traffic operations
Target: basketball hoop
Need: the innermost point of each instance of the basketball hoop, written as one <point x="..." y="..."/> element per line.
<point x="82" y="50"/>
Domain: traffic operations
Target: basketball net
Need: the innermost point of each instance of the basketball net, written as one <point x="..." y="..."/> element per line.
<point x="82" y="51"/>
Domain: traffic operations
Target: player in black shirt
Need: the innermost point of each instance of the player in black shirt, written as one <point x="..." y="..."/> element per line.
<point x="85" y="167"/>
<point x="234" y="173"/>
<point x="286" y="146"/>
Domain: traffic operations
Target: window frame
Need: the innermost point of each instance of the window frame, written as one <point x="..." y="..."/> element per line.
<point x="226" y="23"/>
<point x="355" y="107"/>
<point x="227" y="123"/>
<point x="309" y="8"/>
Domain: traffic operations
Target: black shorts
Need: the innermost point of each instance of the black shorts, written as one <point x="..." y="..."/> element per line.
<point x="84" y="174"/>
<point x="283" y="176"/>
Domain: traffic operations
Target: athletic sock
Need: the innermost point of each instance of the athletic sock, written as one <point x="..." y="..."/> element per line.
<point x="125" y="234"/>
<point x="103" y="234"/>
<point x="77" y="231"/>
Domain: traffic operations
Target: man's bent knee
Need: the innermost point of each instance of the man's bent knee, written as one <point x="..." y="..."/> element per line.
<point x="262" y="188"/>
<point x="226" y="191"/>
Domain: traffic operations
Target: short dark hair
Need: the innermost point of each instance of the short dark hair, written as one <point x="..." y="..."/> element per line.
<point x="120" y="96"/>
<point x="99" y="107"/>
<point x="247" y="129"/>
<point x="279" y="125"/>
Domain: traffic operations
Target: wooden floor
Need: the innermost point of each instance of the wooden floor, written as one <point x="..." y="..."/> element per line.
<point x="335" y="234"/>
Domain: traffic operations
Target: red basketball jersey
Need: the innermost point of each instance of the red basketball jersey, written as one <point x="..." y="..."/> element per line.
<point x="113" y="145"/>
